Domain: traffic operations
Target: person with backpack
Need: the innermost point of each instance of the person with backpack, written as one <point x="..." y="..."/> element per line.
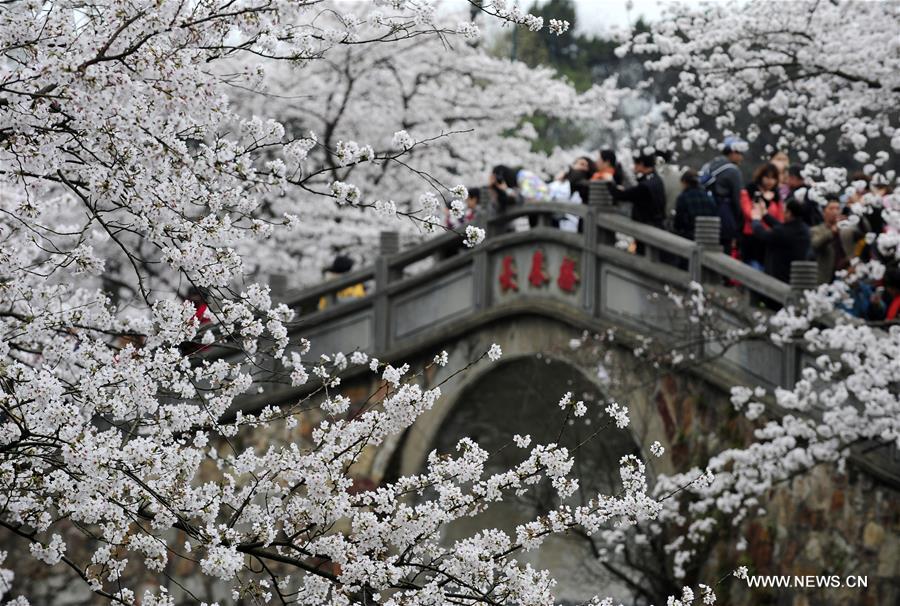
<point x="722" y="178"/>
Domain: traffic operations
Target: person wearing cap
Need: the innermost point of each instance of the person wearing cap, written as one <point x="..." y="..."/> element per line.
<point x="723" y="179"/>
<point x="341" y="265"/>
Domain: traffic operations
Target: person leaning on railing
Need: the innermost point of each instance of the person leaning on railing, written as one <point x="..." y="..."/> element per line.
<point x="510" y="186"/>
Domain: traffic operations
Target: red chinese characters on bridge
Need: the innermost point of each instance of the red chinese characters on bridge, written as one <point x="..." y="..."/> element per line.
<point x="567" y="276"/>
<point x="537" y="276"/>
<point x="508" y="274"/>
<point x="567" y="279"/>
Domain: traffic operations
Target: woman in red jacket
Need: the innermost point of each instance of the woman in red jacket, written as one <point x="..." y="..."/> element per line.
<point x="763" y="189"/>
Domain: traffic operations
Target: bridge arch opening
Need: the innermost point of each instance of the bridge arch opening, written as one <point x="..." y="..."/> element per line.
<point x="520" y="396"/>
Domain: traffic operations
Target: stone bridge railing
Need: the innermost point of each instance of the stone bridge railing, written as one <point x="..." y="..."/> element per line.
<point x="417" y="295"/>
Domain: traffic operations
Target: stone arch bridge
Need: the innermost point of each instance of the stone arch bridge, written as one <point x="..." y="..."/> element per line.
<point x="537" y="292"/>
<point x="536" y="289"/>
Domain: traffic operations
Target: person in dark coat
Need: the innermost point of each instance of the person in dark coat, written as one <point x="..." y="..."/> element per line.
<point x="722" y="177"/>
<point x="692" y="202"/>
<point x="784" y="242"/>
<point x="810" y="212"/>
<point x="885" y="303"/>
<point x="502" y="184"/>
<point x="648" y="197"/>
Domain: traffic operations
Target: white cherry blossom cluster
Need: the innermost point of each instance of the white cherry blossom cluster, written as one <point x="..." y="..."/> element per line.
<point x="495" y="352"/>
<point x="793" y="77"/>
<point x="474" y="236"/>
<point x="577" y="408"/>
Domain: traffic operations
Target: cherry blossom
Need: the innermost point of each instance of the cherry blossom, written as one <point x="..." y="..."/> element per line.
<point x="158" y="161"/>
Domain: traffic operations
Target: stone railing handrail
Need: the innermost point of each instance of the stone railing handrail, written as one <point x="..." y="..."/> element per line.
<point x="654" y="237"/>
<point x="753" y="280"/>
<point x="599" y="226"/>
<point x="424" y="250"/>
<point x="397" y="277"/>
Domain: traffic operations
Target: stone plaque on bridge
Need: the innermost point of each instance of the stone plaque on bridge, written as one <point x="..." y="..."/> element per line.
<point x="538" y="269"/>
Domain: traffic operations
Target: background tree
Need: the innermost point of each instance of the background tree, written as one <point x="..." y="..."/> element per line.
<point x="458" y="111"/>
<point x="811" y="77"/>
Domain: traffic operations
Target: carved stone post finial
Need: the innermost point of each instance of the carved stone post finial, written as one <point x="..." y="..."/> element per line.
<point x="706" y="231"/>
<point x="804" y="276"/>
<point x="389" y="243"/>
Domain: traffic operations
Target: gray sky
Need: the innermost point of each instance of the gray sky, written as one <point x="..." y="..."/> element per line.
<point x="597" y="15"/>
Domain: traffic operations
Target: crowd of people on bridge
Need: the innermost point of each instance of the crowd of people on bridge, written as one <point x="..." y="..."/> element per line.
<point x="767" y="223"/>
